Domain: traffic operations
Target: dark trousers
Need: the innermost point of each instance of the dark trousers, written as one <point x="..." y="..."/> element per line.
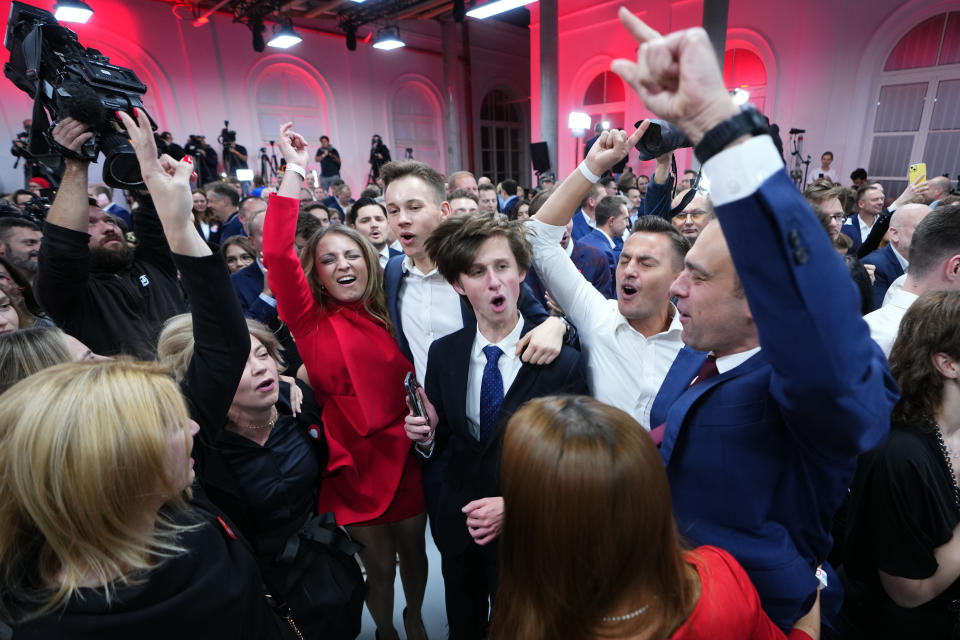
<point x="470" y="583"/>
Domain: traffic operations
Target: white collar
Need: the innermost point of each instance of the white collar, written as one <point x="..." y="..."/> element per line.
<point x="728" y="362"/>
<point x="408" y="267"/>
<point x="903" y="261"/>
<point x="508" y="345"/>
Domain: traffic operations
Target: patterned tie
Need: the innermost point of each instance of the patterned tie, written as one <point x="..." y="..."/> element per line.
<point x="491" y="392"/>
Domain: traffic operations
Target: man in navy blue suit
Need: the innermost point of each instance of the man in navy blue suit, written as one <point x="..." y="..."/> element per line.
<point x="764" y="411"/>
<point x="475" y="382"/>
<point x="612" y="218"/>
<point x="583" y="219"/>
<point x="868" y="226"/>
<point x="223" y="201"/>
<point x="590" y="262"/>
<point x="893" y="259"/>
<point x="340" y="200"/>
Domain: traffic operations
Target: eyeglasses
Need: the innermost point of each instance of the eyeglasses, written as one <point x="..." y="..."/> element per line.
<point x="693" y="215"/>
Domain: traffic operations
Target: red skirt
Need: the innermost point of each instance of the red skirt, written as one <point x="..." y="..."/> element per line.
<point x="407" y="501"/>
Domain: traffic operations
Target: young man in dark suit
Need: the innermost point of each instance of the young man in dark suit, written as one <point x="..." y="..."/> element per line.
<point x="475" y="382"/>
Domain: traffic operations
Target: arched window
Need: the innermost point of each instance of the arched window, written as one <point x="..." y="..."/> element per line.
<point x="501" y="131"/>
<point x="416" y="121"/>
<point x="743" y="69"/>
<point x="286" y="93"/>
<point x="916" y="116"/>
<point x="604" y="101"/>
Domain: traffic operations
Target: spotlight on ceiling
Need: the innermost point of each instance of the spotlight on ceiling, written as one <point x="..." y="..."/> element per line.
<point x="284" y="38"/>
<point x="497" y="7"/>
<point x="388" y="38"/>
<point x="72" y="11"/>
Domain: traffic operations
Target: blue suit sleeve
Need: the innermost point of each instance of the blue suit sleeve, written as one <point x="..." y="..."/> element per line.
<point x="835" y="393"/>
<point x="657" y="202"/>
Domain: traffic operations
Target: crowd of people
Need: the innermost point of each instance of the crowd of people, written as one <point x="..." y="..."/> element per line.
<point x="628" y="406"/>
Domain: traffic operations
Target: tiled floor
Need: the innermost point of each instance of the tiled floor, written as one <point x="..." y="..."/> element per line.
<point x="434" y="615"/>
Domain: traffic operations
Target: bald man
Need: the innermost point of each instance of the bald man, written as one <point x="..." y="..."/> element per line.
<point x="892" y="260"/>
<point x="937" y="189"/>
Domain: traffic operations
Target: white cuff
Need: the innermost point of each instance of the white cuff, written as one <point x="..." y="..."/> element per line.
<point x="589" y="175"/>
<point x="737" y="172"/>
<point x="270" y="301"/>
<point x="297" y="169"/>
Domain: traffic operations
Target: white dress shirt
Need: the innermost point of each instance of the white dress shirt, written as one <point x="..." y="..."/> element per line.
<point x="884" y="323"/>
<point x="429" y="309"/>
<point x="509" y="365"/>
<point x="895" y="286"/>
<point x="734" y="360"/>
<point x="624" y="368"/>
<point x="384" y="256"/>
<point x="904" y="263"/>
<point x="864" y="229"/>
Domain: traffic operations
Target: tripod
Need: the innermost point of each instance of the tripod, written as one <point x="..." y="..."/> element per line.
<point x="796" y="144"/>
<point x="268" y="164"/>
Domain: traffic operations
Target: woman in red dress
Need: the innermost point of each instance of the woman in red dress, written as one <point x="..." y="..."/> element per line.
<point x="334" y="305"/>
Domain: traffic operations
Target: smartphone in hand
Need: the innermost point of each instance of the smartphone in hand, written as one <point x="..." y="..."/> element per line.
<point x="411" y="385"/>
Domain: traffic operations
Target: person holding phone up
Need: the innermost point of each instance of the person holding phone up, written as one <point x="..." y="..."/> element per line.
<point x="332" y="299"/>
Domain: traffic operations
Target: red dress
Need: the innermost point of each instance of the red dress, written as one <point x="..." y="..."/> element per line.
<point x="356" y="370"/>
<point x="728" y="607"/>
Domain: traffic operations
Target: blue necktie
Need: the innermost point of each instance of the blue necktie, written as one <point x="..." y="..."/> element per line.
<point x="491" y="392"/>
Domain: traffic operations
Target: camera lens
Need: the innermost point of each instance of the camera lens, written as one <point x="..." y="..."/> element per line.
<point x="120" y="168"/>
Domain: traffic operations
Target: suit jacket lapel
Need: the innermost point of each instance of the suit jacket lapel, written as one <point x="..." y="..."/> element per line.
<point x="456" y="405"/>
<point x="678" y="412"/>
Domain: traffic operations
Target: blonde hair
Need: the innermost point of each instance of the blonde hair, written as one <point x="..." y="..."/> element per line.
<point x="24" y="352"/>
<point x="176" y="344"/>
<point x="83" y="457"/>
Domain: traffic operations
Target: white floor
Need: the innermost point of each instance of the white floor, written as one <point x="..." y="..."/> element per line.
<point x="434" y="614"/>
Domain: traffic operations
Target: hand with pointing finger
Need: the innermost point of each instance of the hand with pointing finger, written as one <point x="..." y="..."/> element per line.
<point x="677" y="77"/>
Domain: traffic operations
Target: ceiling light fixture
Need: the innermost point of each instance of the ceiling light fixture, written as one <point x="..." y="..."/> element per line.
<point x="497" y="7"/>
<point x="284" y="38"/>
<point x="72" y="11"/>
<point x="389" y="38"/>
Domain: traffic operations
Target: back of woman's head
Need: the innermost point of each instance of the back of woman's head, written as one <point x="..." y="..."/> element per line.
<point x="84" y="451"/>
<point x="588" y="527"/>
<point x="930" y="326"/>
<point x="24" y="352"/>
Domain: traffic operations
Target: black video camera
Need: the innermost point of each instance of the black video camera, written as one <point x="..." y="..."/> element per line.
<point x="68" y="80"/>
<point x="660" y="137"/>
<point x="227" y="137"/>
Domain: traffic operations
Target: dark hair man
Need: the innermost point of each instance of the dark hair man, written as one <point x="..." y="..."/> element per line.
<point x="485" y="259"/>
<point x="463" y="201"/>
<point x="858" y="177"/>
<point x="369" y="217"/>
<point x="765" y="406"/>
<point x="223" y="201"/>
<point x="688" y="177"/>
<point x="329" y="159"/>
<point x="612" y="219"/>
<point x="104" y="197"/>
<point x="20" y="244"/>
<point x="584" y="220"/>
<point x="934" y="264"/>
<point x="98" y="288"/>
<point x="487" y="198"/>
<point x="869" y="225"/>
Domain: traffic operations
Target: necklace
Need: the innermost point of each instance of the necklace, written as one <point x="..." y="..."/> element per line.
<point x="626" y="616"/>
<point x="946" y="459"/>
<point x="257" y="427"/>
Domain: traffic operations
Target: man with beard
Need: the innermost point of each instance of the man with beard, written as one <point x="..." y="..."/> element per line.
<point x="20" y="244"/>
<point x="112" y="296"/>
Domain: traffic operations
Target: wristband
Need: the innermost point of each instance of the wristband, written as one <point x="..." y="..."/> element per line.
<point x="589" y="175"/>
<point x="297" y="169"/>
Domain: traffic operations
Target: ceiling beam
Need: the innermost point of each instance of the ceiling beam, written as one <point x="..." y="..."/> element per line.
<point x="323" y="7"/>
<point x="443" y="8"/>
<point x="426" y="6"/>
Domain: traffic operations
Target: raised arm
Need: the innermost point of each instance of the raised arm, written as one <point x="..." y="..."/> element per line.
<point x="657" y="202"/>
<point x="221" y="339"/>
<point x="796" y="285"/>
<point x="285" y="276"/>
<point x="70" y="207"/>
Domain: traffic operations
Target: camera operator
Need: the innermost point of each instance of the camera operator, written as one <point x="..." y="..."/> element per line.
<point x="329" y="159"/>
<point x="166" y="145"/>
<point x="34" y="166"/>
<point x="97" y="286"/>
<point x="234" y="155"/>
<point x="19" y="147"/>
<point x="204" y="158"/>
<point x="379" y="156"/>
